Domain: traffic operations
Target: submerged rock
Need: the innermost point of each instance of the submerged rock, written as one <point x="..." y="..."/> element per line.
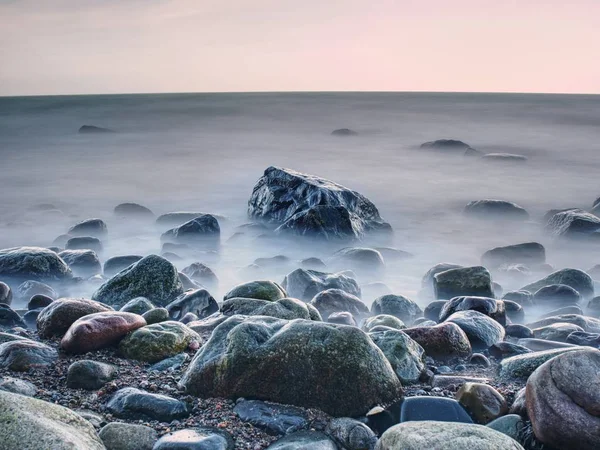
<point x="335" y="300"/>
<point x="473" y="281"/>
<point x="133" y="211"/>
<point x="89" y="227"/>
<point x="93" y="129"/>
<point x="357" y="258"/>
<point x="573" y="223"/>
<point x="344" y="132"/>
<point x="83" y="263"/>
<point x="575" y="278"/>
<point x="84" y="243"/>
<point x="446" y="144"/>
<point x="305" y="284"/>
<point x="504" y="157"/>
<point x="265" y="358"/>
<point x="202" y="274"/>
<point x="203" y="231"/>
<point x="527" y="253"/>
<point x="496" y="209"/>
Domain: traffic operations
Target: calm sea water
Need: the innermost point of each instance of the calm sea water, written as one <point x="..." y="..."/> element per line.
<point x="204" y="152"/>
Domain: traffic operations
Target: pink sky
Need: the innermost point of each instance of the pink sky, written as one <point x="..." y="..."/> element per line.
<point x="121" y="46"/>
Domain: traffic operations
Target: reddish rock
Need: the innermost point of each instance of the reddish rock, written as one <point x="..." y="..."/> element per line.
<point x="56" y="318"/>
<point x="100" y="330"/>
<point x="444" y="342"/>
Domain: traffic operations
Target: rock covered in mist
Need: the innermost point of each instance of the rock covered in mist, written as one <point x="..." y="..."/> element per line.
<point x="89" y="227"/>
<point x="114" y="265"/>
<point x="312" y="205"/>
<point x="203" y="231"/>
<point x="202" y="274"/>
<point x="93" y="129"/>
<point x="83" y="263"/>
<point x="285" y="308"/>
<point x="260" y="289"/>
<point x="133" y="211"/>
<point x="398" y="306"/>
<point x="481" y="330"/>
<point x="504" y="158"/>
<point x="492" y="308"/>
<point x="529" y="253"/>
<point x="575" y="278"/>
<point x="495" y="209"/>
<point x="336" y="300"/>
<point x="563" y="400"/>
<point x="174" y="219"/>
<point x="152" y="277"/>
<point x="196" y="301"/>
<point x="556" y="296"/>
<point x="32" y="263"/>
<point x="347" y="373"/>
<point x="473" y="281"/>
<point x="305" y="284"/>
<point x="84" y="243"/>
<point x="361" y="259"/>
<point x="573" y="223"/>
<point x="344" y="132"/>
<point x="446" y="145"/>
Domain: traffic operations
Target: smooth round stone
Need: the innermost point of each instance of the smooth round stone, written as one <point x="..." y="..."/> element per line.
<point x="201" y="438"/>
<point x="138" y="305"/>
<point x="17" y="386"/>
<point x="89" y="375"/>
<point x="6" y="294"/>
<point x="274" y="418"/>
<point x="433" y="408"/>
<point x="135" y="404"/>
<point x="352" y="434"/>
<point x="510" y="425"/>
<point x="156" y="315"/>
<point x="23" y="355"/>
<point x="518" y="331"/>
<point x="479" y="360"/>
<point x="38" y="301"/>
<point x="482" y="401"/>
<point x="127" y="436"/>
<point x="56" y="318"/>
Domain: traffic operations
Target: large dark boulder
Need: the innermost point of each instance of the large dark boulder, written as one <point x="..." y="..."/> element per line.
<point x="481" y="330"/>
<point x="260" y="289"/>
<point x="530" y="253"/>
<point x="202" y="231"/>
<point x="305" y="284"/>
<point x="475" y="281"/>
<point x="89" y="227"/>
<point x="25" y="355"/>
<point x="152" y="277"/>
<point x="563" y="400"/>
<point x="495" y="209"/>
<point x="573" y="223"/>
<point x="56" y="318"/>
<point x="114" y="265"/>
<point x="283" y="195"/>
<point x="575" y="278"/>
<point x="135" y="404"/>
<point x="20" y="264"/>
<point x="83" y="263"/>
<point x="267" y="359"/>
<point x="445" y="342"/>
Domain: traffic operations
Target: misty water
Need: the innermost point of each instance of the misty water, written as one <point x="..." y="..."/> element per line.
<point x="205" y="152"/>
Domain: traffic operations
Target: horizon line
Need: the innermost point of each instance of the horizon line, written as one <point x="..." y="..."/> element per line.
<point x="299" y="92"/>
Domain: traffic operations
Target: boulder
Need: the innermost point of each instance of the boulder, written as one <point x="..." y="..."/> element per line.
<point x="366" y="260"/>
<point x="156" y="315"/>
<point x="524" y="298"/>
<point x="439" y="409"/>
<point x="556" y="331"/>
<point x="6" y="294"/>
<point x="573" y="224"/>
<point x="494" y="309"/>
<point x="383" y="320"/>
<point x="89" y="227"/>
<point x="133" y="211"/>
<point x="128" y="436"/>
<point x="538" y="345"/>
<point x="501" y="350"/>
<point x="302" y="440"/>
<point x="261" y="290"/>
<point x="396" y="305"/>
<point x="202" y="274"/>
<point x="518" y="331"/>
<point x="274" y="418"/>
<point x="433" y="309"/>
<point x="83" y="263"/>
<point x="305" y="284"/>
<point x="584" y="338"/>
<point x="589" y="324"/>
<point x="114" y="265"/>
<point x="265" y="358"/>
<point x="351" y="434"/>
<point x="84" y="243"/>
<point x="511" y="425"/>
<point x="342" y="318"/>
<point x="286" y="308"/>
<point x="577" y="279"/>
<point x="563" y="400"/>
<point x="406" y="356"/>
<point x="201" y="438"/>
<point x="28" y="289"/>
<point x="482" y="401"/>
<point x="158" y="341"/>
<point x="174" y="219"/>
<point x="556" y="295"/>
<point x="446" y="145"/>
<point x="152" y="277"/>
<point x="56" y="318"/>
<point x="89" y="375"/>
<point x="481" y="330"/>
<point x="312" y="205"/>
<point x="99" y="330"/>
<point x="10" y="318"/>
<point x="530" y="253"/>
<point x="135" y="404"/>
<point x="138" y="305"/>
<point x="17" y="386"/>
<point x="20" y="264"/>
<point x="444" y="436"/>
<point x="24" y="355"/>
<point x="335" y="300"/>
<point x="28" y="423"/>
<point x="522" y="366"/>
<point x="313" y="263"/>
<point x="475" y="281"/>
<point x="201" y="231"/>
<point x="428" y="278"/>
<point x="39" y="302"/>
<point x="445" y="342"/>
<point x="196" y="301"/>
<point x="496" y="209"/>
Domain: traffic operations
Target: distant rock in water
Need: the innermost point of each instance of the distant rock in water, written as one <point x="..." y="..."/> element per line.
<point x="574" y="223"/>
<point x="32" y="263"/>
<point x="133" y="211"/>
<point x="526" y="253"/>
<point x="504" y="157"/>
<point x="313" y="206"/>
<point x="473" y="152"/>
<point x="495" y="209"/>
<point x="177" y="218"/>
<point x="344" y="132"/>
<point x="89" y="227"/>
<point x="203" y="230"/>
<point x="446" y="145"/>
<point x="88" y="129"/>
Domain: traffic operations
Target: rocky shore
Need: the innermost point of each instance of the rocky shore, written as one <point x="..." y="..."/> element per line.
<point x="138" y="352"/>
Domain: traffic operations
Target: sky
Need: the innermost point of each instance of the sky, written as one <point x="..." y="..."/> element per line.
<point x="52" y="47"/>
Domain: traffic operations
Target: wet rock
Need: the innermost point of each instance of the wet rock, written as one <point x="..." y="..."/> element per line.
<point x="156" y="315"/>
<point x="84" y="243"/>
<point x="133" y="211"/>
<point x="577" y="279"/>
<point x="514" y="312"/>
<point x="433" y="309"/>
<point x="445" y="342"/>
<point x="396" y="305"/>
<point x="454" y="382"/>
<point x="92" y="129"/>
<point x="29" y="423"/>
<point x="197" y="301"/>
<point x="114" y="265"/>
<point x="523" y="298"/>
<point x="563" y="400"/>
<point x="556" y="331"/>
<point x="17" y="386"/>
<point x="490" y="307"/>
<point x="344" y="132"/>
<point x="152" y="277"/>
<point x="39" y="301"/>
<point x="313" y="263"/>
<point x="573" y="224"/>
<point x="274" y="418"/>
<point x="261" y="290"/>
<point x="56" y="318"/>
<point x="127" y="436"/>
<point x="556" y="295"/>
<point x="444" y="436"/>
<point x="24" y="355"/>
<point x="312" y="205"/>
<point x="172" y="363"/>
<point x="342" y="318"/>
<point x="433" y="408"/>
<point x="383" y="320"/>
<point x="99" y="330"/>
<point x="26" y="290"/>
<point x="305" y="284"/>
<point x="9" y="318"/>
<point x="89" y="375"/>
<point x="530" y="253"/>
<point x="89" y="227"/>
<point x="138" y="305"/>
<point x="199" y="438"/>
<point x="519" y="405"/>
<point x="265" y="358"/>
<point x="286" y="308"/>
<point x="510" y="425"/>
<point x="589" y="324"/>
<point x="538" y="345"/>
<point x="406" y="356"/>
<point x="521" y="366"/>
<point x="305" y="439"/>
<point x="359" y="259"/>
<point x="83" y="263"/>
<point x="471" y="281"/>
<point x="445" y="145"/>
<point x="428" y="278"/>
<point x="202" y="274"/>
<point x="6" y="294"/>
<point x="501" y="350"/>
<point x="496" y="209"/>
<point x="158" y="341"/>
<point x="478" y="359"/>
<point x="483" y="402"/>
<point x="351" y="434"/>
<point x="504" y="158"/>
<point x="335" y="300"/>
<point x="32" y="263"/>
<point x="584" y="338"/>
<point x="135" y="404"/>
<point x="201" y="231"/>
<point x="481" y="330"/>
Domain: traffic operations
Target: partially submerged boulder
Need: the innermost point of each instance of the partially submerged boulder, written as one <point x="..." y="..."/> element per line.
<point x="305" y="284"/>
<point x="573" y="223"/>
<point x="575" y="278"/>
<point x="20" y="264"/>
<point x="496" y="209"/>
<point x="529" y="253"/>
<point x="474" y="281"/>
<point x="261" y="289"/>
<point x="201" y="231"/>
